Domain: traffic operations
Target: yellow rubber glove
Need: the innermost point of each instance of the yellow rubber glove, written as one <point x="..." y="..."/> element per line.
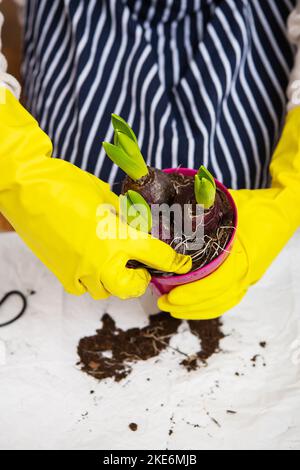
<point x="267" y="220"/>
<point x="54" y="207"/>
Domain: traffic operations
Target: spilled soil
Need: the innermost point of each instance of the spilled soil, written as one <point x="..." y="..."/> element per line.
<point x="112" y="352"/>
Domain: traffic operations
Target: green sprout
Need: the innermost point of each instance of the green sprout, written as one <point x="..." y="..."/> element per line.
<point x="125" y="151"/>
<point x="205" y="188"/>
<point x="133" y="207"/>
<point x="119" y="124"/>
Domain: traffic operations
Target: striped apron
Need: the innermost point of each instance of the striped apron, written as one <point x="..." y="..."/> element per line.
<point x="200" y="81"/>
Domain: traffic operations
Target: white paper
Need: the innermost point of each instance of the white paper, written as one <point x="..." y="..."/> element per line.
<point x="45" y="400"/>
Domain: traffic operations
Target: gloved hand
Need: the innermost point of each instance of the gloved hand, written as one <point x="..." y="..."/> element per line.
<point x="267" y="219"/>
<point x="55" y="208"/>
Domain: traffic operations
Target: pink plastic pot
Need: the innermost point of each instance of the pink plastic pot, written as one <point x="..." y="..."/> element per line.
<point x="163" y="285"/>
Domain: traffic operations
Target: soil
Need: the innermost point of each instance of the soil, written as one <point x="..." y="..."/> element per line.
<point x="210" y="334"/>
<point x="112" y="352"/>
<point x="254" y="358"/>
<point x="133" y="427"/>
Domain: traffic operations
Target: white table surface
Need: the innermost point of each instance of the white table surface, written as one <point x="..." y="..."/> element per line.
<point x="45" y="401"/>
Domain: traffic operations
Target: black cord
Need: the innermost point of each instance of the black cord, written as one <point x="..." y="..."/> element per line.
<point x="23" y="310"/>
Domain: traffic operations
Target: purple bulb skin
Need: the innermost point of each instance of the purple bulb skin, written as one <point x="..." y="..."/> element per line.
<point x="156" y="187"/>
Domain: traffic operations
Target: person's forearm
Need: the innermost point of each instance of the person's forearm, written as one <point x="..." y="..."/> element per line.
<point x="6" y="80"/>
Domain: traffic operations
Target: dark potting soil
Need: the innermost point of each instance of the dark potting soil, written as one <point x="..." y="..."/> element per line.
<point x="112" y="352"/>
<point x="210" y="334"/>
<point x="133" y="427"/>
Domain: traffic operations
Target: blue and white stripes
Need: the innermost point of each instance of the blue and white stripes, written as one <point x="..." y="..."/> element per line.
<point x="200" y="81"/>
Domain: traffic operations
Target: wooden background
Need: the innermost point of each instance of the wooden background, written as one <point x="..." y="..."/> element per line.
<point x="12" y="47"/>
